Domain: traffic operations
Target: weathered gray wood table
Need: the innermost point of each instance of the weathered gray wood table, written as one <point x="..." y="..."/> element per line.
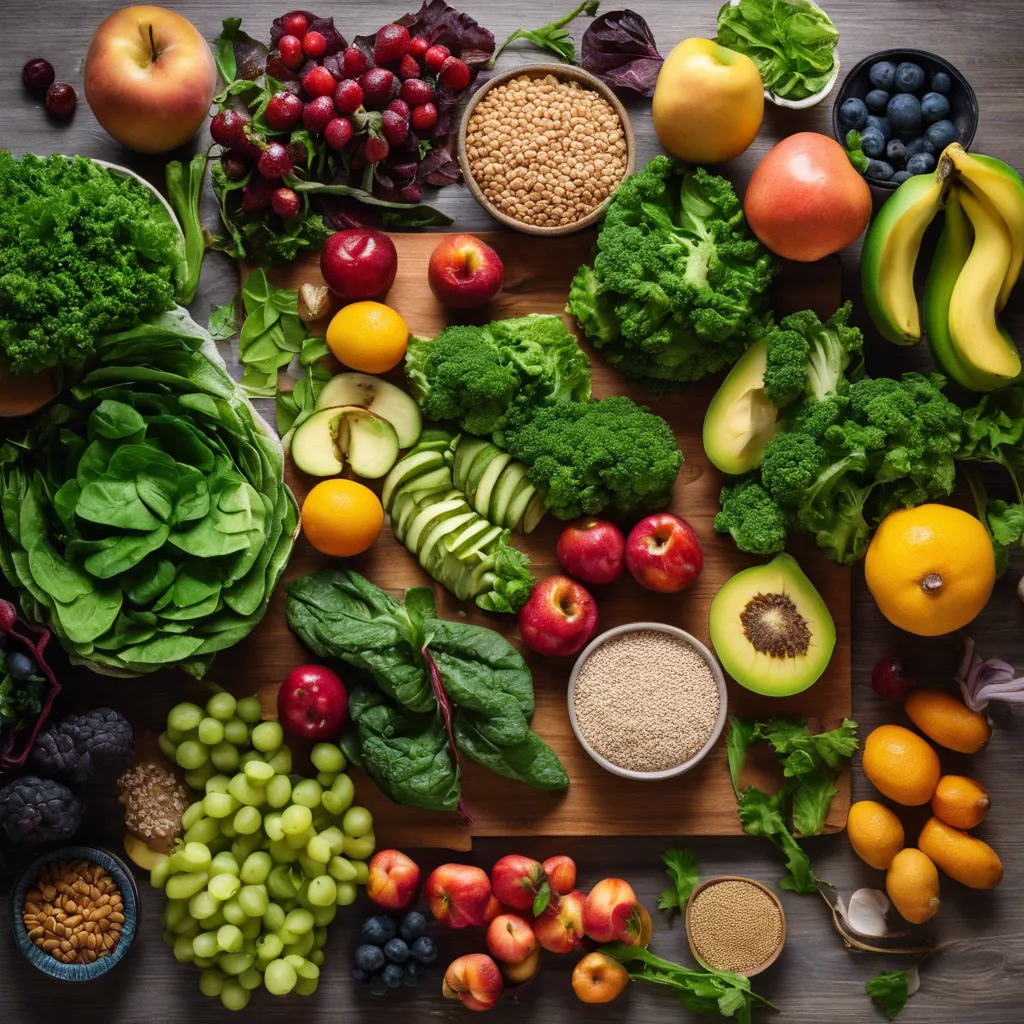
<point x="816" y="980"/>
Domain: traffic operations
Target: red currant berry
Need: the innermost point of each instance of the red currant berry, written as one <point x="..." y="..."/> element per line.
<point x="285" y="203"/>
<point x="295" y="24"/>
<point x="338" y="133"/>
<point x="418" y="46"/>
<point x="289" y="49"/>
<point x="274" y="162"/>
<point x="314" y="45"/>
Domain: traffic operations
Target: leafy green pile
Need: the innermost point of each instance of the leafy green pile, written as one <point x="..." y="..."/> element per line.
<point x="810" y="764"/>
<point x="83" y="252"/>
<point x="792" y="42"/>
<point x="146" y="520"/>
<point x="440" y="689"/>
<point x="677" y="287"/>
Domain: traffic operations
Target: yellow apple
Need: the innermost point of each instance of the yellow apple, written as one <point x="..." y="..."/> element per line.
<point x="708" y="102"/>
<point x="149" y="78"/>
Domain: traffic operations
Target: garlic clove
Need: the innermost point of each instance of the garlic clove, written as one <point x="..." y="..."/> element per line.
<point x="314" y="302"/>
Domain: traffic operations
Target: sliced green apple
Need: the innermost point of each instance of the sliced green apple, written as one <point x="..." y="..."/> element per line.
<point x="379" y="397"/>
<point x="412" y="466"/>
<point x="488" y="481"/>
<point x="501" y="497"/>
<point x="428" y="516"/>
<point x="466" y="451"/>
<point x="322" y="444"/>
<point x="534" y="513"/>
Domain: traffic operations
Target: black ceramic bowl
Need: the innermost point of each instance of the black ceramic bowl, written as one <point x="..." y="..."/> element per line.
<point x="963" y="104"/>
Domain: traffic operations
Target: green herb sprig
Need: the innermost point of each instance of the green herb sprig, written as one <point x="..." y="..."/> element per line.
<point x="554" y="36"/>
<point x="681" y="869"/>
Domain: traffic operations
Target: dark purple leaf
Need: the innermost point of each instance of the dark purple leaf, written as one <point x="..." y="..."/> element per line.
<point x="278" y="71"/>
<point x="439" y="168"/>
<point x="441" y="24"/>
<point x="618" y="47"/>
<point x="325" y="26"/>
<point x="250" y="57"/>
<point x="333" y="64"/>
<point x="406" y="169"/>
<point x="340" y="212"/>
<point x="444" y="705"/>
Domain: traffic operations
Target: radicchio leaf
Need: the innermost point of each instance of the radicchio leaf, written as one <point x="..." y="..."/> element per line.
<point x="619" y="48"/>
<point x="439" y="167"/>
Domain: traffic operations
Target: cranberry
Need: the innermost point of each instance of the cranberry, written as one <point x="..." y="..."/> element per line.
<point x="435" y="57"/>
<point x="338" y="132"/>
<point x="61" y="99"/>
<point x="355" y="62"/>
<point x="228" y="127"/>
<point x="411" y="193"/>
<point x="283" y="111"/>
<point x="415" y="92"/>
<point x="289" y="49"/>
<point x="314" y="45"/>
<point x="318" y="113"/>
<point x="455" y="74"/>
<point x="235" y="168"/>
<point x="348" y="97"/>
<point x="275" y="162"/>
<point x="394" y="127"/>
<point x="295" y="24"/>
<point x="377" y="84"/>
<point x="408" y="67"/>
<point x="256" y="195"/>
<point x="391" y="44"/>
<point x="400" y="107"/>
<point x="418" y="46"/>
<point x="375" y="149"/>
<point x="38" y="74"/>
<point x="893" y="679"/>
<point x="318" y="81"/>
<point x="423" y="117"/>
<point x="285" y="203"/>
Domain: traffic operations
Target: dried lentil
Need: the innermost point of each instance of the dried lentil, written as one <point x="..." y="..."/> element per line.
<point x="734" y="925"/>
<point x="546" y="152"/>
<point x="646" y="700"/>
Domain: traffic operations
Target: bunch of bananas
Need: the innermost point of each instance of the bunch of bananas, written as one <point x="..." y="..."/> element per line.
<point x="975" y="266"/>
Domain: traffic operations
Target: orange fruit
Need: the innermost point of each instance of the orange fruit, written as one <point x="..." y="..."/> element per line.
<point x="901" y="765"/>
<point x="341" y="517"/>
<point x="912" y="883"/>
<point x="963" y="857"/>
<point x="948" y="721"/>
<point x="876" y="834"/>
<point x="930" y="569"/>
<point x="368" y="336"/>
<point x="960" y="802"/>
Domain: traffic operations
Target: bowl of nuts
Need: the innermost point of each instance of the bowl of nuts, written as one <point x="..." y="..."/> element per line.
<point x="74" y="912"/>
<point x="543" y="147"/>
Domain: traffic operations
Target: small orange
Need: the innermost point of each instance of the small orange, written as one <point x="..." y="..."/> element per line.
<point x="901" y="765"/>
<point x="965" y="859"/>
<point x="930" y="569"/>
<point x="912" y="883"/>
<point x="341" y="517"/>
<point x="875" y="833"/>
<point x="960" y="802"/>
<point x="368" y="336"/>
<point x="948" y="721"/>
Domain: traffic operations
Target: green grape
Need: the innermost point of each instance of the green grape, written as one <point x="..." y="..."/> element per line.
<point x="279" y="791"/>
<point x="224" y="757"/>
<point x="175" y="736"/>
<point x="272" y="826"/>
<point x="251" y="928"/>
<point x="233" y="996"/>
<point x="300" y="839"/>
<point x="197" y="779"/>
<point x="203" y="905"/>
<point x="253" y="899"/>
<point x="215" y="920"/>
<point x="168" y="747"/>
<point x="234" y="963"/>
<point x="211" y="982"/>
<point x="359" y="848"/>
<point x="347" y="893"/>
<point x="311" y="868"/>
<point x="223" y="887"/>
<point x="249" y="755"/>
<point x="191" y="754"/>
<point x="236" y="732"/>
<point x="169" y="938"/>
<point x="229" y="939"/>
<point x="258" y="771"/>
<point x="175" y="912"/>
<point x="223" y="864"/>
<point x="286" y="936"/>
<point x="211" y="731"/>
<point x="316" y="956"/>
<point x="221" y="706"/>
<point x="160" y="873"/>
<point x="204" y="962"/>
<point x="323" y="916"/>
<point x="267" y="736"/>
<point x="184" y="717"/>
<point x="249" y="709"/>
<point x="340" y="796"/>
<point x="244" y="845"/>
<point x="268" y="947"/>
<point x="341" y="870"/>
<point x="233" y="912"/>
<point x="281" y="761"/>
<point x="327" y="757"/>
<point x="274" y="917"/>
<point x="306" y="986"/>
<point x="335" y="839"/>
<point x="256" y="868"/>
<point x="192" y="814"/>
<point x="249" y="793"/>
<point x="185" y="885"/>
<point x="358" y="821"/>
<point x="282" y="852"/>
<point x="205" y="944"/>
<point x="323" y="891"/>
<point x="220" y="805"/>
<point x="250" y="979"/>
<point x="301" y="946"/>
<point x="362" y="871"/>
<point x="326" y="778"/>
<point x="227" y="827"/>
<point x="204" y="831"/>
<point x="307" y="793"/>
<point x="299" y="921"/>
<point x="319" y="935"/>
<point x="303" y="969"/>
<point x="318" y="849"/>
<point x="280" y="884"/>
<point x="247" y="821"/>
<point x="183" y="951"/>
<point x="279" y="977"/>
<point x="296" y="820"/>
<point x="217" y="784"/>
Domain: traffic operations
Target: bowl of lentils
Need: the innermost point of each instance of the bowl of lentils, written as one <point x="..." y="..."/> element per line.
<point x="647" y="701"/>
<point x="543" y="147"/>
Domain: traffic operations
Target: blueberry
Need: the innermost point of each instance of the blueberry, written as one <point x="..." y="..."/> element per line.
<point x="424" y="950"/>
<point x="921" y="163"/>
<point x="883" y="75"/>
<point x="882" y="124"/>
<point x="393" y="976"/>
<point x="876" y="101"/>
<point x="413" y="969"/>
<point x="904" y="112"/>
<point x="941" y="134"/>
<point x="919" y="145"/>
<point x="396" y="951"/>
<point x="358" y="974"/>
<point x="896" y="152"/>
<point x="378" y="987"/>
<point x="369" y="958"/>
<point x="871" y="142"/>
<point x="900" y="176"/>
<point x="879" y="170"/>
<point x="934" y="107"/>
<point x="20" y="666"/>
<point x="413" y="926"/>
<point x="909" y="77"/>
<point x="378" y="930"/>
<point x="941" y="82"/>
<point x="853" y="113"/>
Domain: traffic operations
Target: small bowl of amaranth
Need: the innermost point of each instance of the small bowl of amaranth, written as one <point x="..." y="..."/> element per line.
<point x="647" y="701"/>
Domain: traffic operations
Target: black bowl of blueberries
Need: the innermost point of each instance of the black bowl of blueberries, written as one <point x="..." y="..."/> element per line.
<point x="907" y="106"/>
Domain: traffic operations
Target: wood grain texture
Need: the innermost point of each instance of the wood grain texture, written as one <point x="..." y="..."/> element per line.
<point x="978" y="981"/>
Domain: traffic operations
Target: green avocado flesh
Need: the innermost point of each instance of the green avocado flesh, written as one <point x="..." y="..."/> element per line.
<point x="771" y="629"/>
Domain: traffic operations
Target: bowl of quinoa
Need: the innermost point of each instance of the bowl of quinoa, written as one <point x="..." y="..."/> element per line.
<point x="647" y="700"/>
<point x="543" y="147"/>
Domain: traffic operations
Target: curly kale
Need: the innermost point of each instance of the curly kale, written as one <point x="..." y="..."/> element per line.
<point x="35" y="810"/>
<point x="677" y="287"/>
<point x="94" y="747"/>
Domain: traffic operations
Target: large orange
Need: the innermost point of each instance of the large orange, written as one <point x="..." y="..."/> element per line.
<point x="341" y="517"/>
<point x="930" y="569"/>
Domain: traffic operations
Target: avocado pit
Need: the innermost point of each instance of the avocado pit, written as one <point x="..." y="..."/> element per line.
<point x="774" y="626"/>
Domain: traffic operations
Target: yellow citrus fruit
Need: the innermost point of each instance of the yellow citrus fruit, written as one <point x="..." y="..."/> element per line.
<point x="341" y="517"/>
<point x="912" y="883"/>
<point x="930" y="569"/>
<point x="368" y="336"/>
<point x="948" y="721"/>
<point x="960" y="802"/>
<point x="876" y="834"/>
<point x="901" y="765"/>
<point x="964" y="858"/>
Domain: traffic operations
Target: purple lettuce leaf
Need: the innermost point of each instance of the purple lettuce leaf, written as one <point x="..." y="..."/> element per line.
<point x="619" y="48"/>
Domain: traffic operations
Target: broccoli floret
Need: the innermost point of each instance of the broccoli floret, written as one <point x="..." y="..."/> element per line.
<point x="590" y="456"/>
<point x="753" y="517"/>
<point x="790" y="465"/>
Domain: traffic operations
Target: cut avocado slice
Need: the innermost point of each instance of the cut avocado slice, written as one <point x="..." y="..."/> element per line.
<point x="322" y="443"/>
<point x="534" y="513"/>
<point x="465" y="452"/>
<point x="741" y="419"/>
<point x="381" y="398"/>
<point x="413" y="465"/>
<point x="501" y="496"/>
<point x="488" y="481"/>
<point x="428" y="516"/>
<point x="771" y="629"/>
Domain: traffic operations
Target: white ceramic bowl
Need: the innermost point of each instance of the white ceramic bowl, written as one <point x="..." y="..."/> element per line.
<point x="716" y="671"/>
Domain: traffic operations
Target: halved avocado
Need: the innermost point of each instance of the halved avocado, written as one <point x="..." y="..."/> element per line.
<point x="771" y="629"/>
<point x="741" y="419"/>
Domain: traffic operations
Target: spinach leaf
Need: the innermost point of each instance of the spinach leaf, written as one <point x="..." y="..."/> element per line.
<point x="531" y="761"/>
<point x="889" y="990"/>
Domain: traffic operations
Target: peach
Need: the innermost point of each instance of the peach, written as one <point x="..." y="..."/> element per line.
<point x="520" y="882"/>
<point x="612" y="913"/>
<point x="560" y="928"/>
<point x="394" y="881"/>
<point x="474" y="980"/>
<point x="459" y="895"/>
<point x="517" y="975"/>
<point x="599" y="978"/>
<point x="510" y="939"/>
<point x="494" y="908"/>
<point x="561" y="872"/>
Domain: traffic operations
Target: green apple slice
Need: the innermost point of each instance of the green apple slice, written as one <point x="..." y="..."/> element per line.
<point x="379" y="397"/>
<point x="322" y="444"/>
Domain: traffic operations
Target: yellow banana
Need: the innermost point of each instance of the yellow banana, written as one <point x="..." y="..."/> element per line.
<point x="973" y="329"/>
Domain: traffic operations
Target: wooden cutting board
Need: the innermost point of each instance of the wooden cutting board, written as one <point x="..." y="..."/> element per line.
<point x="537" y="276"/>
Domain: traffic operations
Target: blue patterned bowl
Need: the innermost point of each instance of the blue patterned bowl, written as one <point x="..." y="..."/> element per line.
<point x="122" y="877"/>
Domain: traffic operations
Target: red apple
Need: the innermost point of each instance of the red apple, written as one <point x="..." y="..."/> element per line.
<point x="806" y="200"/>
<point x="510" y="939"/>
<point x="520" y="882"/>
<point x="312" y="703"/>
<point x="612" y="914"/>
<point x="464" y="272"/>
<point x="561" y="872"/>
<point x="359" y="263"/>
<point x="559" y="618"/>
<point x="494" y="908"/>
<point x="663" y="553"/>
<point x="560" y="928"/>
<point x="592" y="550"/>
<point x="394" y="881"/>
<point x="149" y="78"/>
<point x="459" y="895"/>
<point x="474" y="980"/>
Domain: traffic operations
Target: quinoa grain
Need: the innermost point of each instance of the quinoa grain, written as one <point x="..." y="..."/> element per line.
<point x="734" y="925"/>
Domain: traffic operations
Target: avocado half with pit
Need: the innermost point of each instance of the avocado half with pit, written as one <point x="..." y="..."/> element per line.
<point x="741" y="418"/>
<point x="771" y="629"/>
<point x="349" y="434"/>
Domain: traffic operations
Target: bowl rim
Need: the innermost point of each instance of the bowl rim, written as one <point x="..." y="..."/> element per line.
<point x="42" y="960"/>
<point x="567" y="72"/>
<point x="702" y="650"/>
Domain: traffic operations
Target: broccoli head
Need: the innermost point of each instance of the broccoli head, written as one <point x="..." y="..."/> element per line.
<point x="753" y="517"/>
